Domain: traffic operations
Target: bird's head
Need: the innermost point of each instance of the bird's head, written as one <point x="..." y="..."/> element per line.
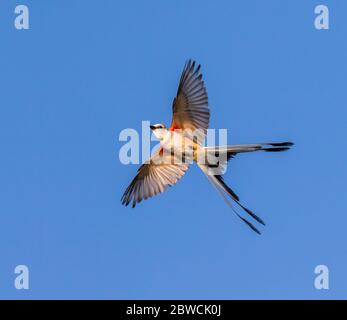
<point x="159" y="130"/>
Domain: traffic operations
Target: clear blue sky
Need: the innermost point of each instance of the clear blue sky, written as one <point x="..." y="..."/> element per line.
<point x="88" y="69"/>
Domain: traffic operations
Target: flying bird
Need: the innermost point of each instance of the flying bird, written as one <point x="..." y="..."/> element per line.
<point x="190" y="114"/>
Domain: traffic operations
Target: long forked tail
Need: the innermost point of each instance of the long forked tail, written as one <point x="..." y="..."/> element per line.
<point x="234" y="149"/>
<point x="218" y="182"/>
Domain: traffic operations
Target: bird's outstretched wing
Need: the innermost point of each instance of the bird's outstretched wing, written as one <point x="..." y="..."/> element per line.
<point x="153" y="177"/>
<point x="190" y="107"/>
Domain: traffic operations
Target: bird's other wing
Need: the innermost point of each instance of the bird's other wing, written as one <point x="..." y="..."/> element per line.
<point x="190" y="107"/>
<point x="153" y="177"/>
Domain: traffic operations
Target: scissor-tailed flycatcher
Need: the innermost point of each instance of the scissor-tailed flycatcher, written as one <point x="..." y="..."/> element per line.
<point x="190" y="114"/>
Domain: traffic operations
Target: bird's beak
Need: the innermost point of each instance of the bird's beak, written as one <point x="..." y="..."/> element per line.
<point x="152" y="127"/>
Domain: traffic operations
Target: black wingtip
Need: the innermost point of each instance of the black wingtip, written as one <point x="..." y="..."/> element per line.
<point x="192" y="65"/>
